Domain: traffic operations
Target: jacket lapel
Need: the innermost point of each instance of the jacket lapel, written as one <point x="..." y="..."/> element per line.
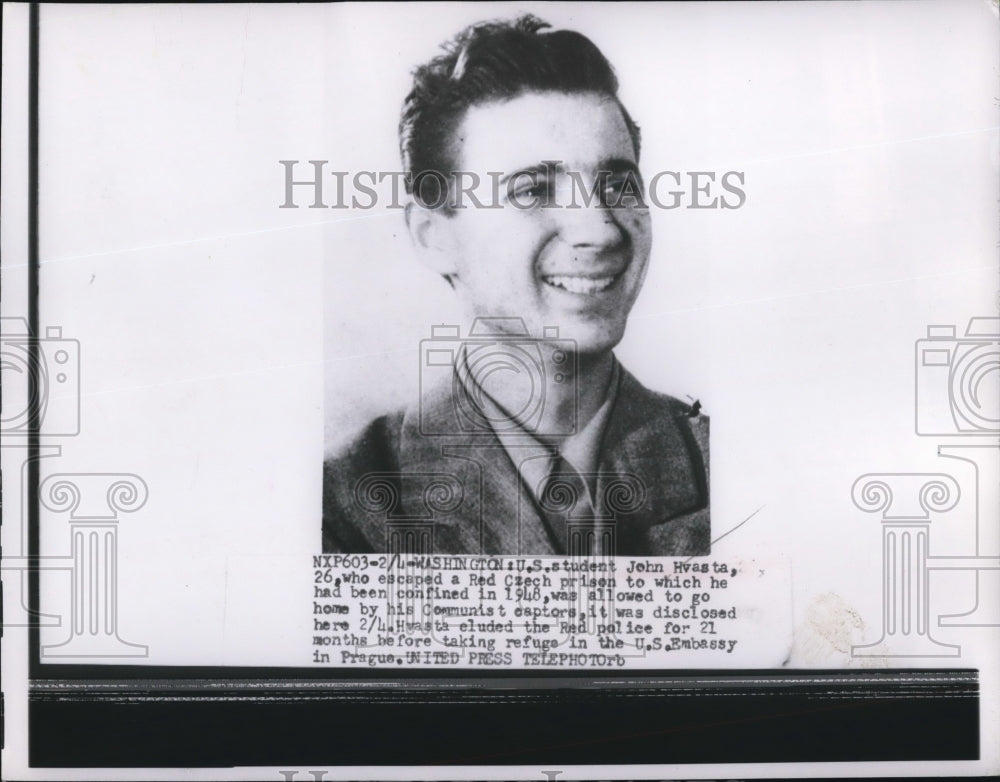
<point x="497" y="514"/>
<point x="650" y="437"/>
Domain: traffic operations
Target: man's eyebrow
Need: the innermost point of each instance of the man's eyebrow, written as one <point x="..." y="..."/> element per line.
<point x="612" y="165"/>
<point x="619" y="165"/>
<point x="539" y="168"/>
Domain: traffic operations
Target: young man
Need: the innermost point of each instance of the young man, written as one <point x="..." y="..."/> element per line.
<point x="532" y="439"/>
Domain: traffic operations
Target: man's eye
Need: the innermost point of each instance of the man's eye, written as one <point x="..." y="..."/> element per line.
<point x="536" y="191"/>
<point x="625" y="190"/>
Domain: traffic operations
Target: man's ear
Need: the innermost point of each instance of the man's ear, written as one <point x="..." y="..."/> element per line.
<point x="432" y="233"/>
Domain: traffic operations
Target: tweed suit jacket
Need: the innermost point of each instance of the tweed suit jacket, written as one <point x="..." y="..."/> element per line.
<point x="420" y="467"/>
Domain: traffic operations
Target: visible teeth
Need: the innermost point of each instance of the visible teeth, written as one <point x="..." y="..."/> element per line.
<point x="580" y="284"/>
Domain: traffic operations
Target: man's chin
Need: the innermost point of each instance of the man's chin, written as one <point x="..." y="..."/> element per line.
<point x="590" y="340"/>
<point x="595" y="336"/>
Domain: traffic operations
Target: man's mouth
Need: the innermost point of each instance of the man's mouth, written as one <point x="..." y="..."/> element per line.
<point x="580" y="284"/>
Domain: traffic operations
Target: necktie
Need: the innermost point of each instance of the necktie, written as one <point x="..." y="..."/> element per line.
<point x="573" y="523"/>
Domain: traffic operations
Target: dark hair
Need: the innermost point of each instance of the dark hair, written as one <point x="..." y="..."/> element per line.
<point x="495" y="61"/>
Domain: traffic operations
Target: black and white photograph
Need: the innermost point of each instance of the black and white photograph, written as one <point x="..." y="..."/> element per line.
<point x="529" y="419"/>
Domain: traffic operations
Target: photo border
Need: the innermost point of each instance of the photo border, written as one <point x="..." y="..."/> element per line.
<point x="181" y="716"/>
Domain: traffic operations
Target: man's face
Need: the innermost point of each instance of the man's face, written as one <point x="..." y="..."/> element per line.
<point x="574" y="266"/>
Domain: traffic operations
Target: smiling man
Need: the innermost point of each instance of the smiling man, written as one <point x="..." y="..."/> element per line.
<point x="529" y="437"/>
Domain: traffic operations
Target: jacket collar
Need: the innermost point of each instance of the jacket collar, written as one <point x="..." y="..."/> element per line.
<point x="649" y="436"/>
<point x="497" y="514"/>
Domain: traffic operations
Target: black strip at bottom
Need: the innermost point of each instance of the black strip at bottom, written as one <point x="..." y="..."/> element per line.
<point x="690" y="718"/>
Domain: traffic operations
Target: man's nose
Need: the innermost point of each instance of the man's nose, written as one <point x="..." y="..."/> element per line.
<point x="589" y="226"/>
